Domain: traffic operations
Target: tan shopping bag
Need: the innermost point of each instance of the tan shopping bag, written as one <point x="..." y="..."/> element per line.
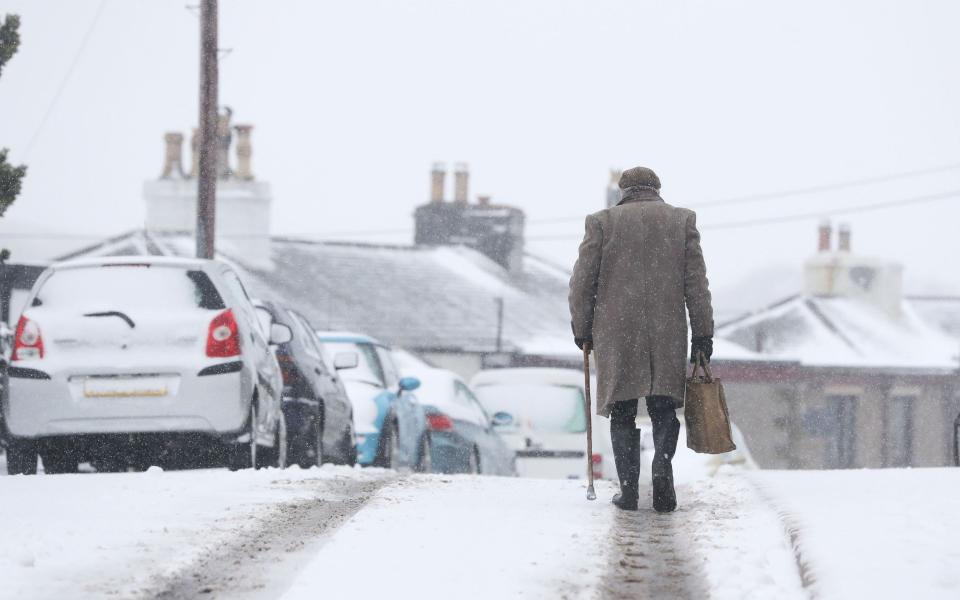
<point x="705" y="411"/>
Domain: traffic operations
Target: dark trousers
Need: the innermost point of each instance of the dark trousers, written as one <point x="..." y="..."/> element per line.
<point x="666" y="430"/>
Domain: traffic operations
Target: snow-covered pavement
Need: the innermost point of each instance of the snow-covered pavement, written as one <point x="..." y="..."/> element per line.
<point x="352" y="533"/>
<point x="889" y="533"/>
<point x="272" y="533"/>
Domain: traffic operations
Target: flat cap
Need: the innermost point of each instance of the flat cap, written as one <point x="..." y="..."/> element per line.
<point x="639" y="176"/>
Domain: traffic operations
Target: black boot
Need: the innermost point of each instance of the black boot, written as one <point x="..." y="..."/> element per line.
<point x="666" y="431"/>
<point x="626" y="452"/>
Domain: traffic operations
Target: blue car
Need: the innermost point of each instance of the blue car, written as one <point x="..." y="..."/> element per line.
<point x="390" y="424"/>
<point x="461" y="437"/>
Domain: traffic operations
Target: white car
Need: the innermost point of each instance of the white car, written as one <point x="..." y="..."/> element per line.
<point x="541" y="414"/>
<point x="132" y="361"/>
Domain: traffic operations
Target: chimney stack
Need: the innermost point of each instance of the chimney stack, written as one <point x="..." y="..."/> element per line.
<point x="244" y="151"/>
<point x="826" y="232"/>
<point x="194" y="153"/>
<point x="437" y="176"/>
<point x="483" y="200"/>
<point x="173" y="162"/>
<point x="461" y="179"/>
<point x="223" y="145"/>
<point x="843" y="238"/>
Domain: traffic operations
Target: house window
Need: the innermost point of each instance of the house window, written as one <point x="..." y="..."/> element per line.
<point x="899" y="435"/>
<point x="840" y="431"/>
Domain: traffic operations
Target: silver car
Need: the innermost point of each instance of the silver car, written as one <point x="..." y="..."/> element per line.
<point x="134" y="361"/>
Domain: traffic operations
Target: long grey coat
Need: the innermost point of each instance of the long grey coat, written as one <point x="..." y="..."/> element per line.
<point x="640" y="264"/>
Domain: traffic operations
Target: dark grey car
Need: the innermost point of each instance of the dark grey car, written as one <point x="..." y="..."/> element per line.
<point x="318" y="412"/>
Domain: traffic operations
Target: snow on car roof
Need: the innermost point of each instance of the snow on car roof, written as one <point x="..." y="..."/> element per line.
<point x="527" y="375"/>
<point x="436" y="385"/>
<point x="346" y="336"/>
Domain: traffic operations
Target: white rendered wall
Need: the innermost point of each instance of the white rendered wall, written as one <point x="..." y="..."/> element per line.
<point x="242" y="215"/>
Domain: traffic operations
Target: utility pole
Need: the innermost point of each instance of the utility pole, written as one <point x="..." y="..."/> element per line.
<point x="207" y="175"/>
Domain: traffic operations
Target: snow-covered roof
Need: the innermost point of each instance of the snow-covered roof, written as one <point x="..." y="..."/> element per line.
<point x="940" y="312"/>
<point x="424" y="297"/>
<point x="844" y="332"/>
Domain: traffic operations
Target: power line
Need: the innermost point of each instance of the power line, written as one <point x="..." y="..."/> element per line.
<point x="66" y="78"/>
<point x="953" y="194"/>
<point x="803" y="191"/>
<point x="725" y="201"/>
<point x="815" y="189"/>
<point x="839" y="211"/>
<point x="863" y="208"/>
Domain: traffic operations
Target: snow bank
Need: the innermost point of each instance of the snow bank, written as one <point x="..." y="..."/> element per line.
<point x="891" y="533"/>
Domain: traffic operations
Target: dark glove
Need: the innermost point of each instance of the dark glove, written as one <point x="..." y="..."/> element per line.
<point x="580" y="341"/>
<point x="703" y="345"/>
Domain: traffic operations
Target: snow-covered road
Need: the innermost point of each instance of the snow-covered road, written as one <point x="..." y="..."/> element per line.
<point x="352" y="533"/>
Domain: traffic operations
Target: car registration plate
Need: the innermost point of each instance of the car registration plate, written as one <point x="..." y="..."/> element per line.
<point x="124" y="387"/>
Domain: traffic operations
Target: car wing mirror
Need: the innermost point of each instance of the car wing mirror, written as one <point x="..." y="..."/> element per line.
<point x="408" y="384"/>
<point x="280" y="334"/>
<point x="346" y="360"/>
<point x="502" y="419"/>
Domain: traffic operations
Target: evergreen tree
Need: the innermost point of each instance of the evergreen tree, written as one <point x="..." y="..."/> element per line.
<point x="10" y="176"/>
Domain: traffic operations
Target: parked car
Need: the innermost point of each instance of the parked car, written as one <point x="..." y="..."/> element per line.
<point x="460" y="436"/>
<point x="689" y="466"/>
<point x="541" y="414"/>
<point x="133" y="361"/>
<point x="318" y="413"/>
<point x="390" y="422"/>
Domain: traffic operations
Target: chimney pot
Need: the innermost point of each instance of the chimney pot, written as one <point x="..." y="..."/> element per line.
<point x="437" y="176"/>
<point x="223" y="144"/>
<point x="173" y="160"/>
<point x="461" y="179"/>
<point x="244" y="152"/>
<point x="843" y="238"/>
<point x="825" y="233"/>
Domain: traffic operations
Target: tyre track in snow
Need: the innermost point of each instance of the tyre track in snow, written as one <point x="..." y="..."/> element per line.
<point x="650" y="558"/>
<point x="262" y="560"/>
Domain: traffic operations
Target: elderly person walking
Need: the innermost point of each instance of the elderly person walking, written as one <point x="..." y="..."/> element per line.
<point x="640" y="266"/>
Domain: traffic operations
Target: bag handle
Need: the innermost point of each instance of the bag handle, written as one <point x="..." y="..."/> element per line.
<point x="704" y="365"/>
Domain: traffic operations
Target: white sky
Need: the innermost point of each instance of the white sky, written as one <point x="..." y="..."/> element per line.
<point x="353" y="101"/>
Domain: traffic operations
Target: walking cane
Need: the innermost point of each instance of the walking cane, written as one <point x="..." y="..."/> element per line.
<point x="591" y="495"/>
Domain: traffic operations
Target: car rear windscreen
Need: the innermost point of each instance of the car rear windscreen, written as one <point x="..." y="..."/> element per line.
<point x="540" y="407"/>
<point x="125" y="287"/>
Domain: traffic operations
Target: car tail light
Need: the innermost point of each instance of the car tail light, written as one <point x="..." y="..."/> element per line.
<point x="223" y="338"/>
<point x="439" y="423"/>
<point x="288" y="370"/>
<point x="27" y="341"/>
<point x="596" y="462"/>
